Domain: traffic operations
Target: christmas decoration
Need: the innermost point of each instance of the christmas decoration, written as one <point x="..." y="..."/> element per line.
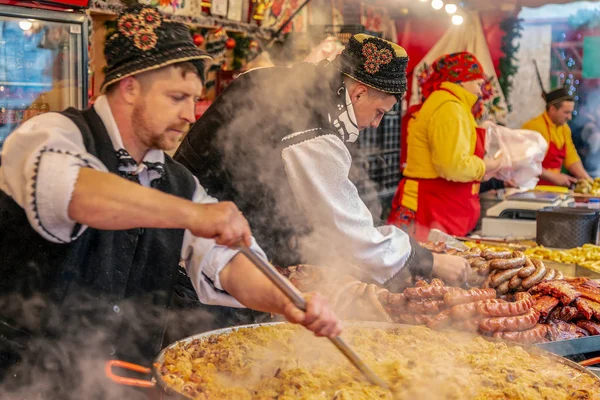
<point x="198" y="39"/>
<point x="565" y="63"/>
<point x="230" y="44"/>
<point x="512" y="28"/>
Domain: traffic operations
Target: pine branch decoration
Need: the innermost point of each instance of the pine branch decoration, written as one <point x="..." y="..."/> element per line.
<point x="512" y="27"/>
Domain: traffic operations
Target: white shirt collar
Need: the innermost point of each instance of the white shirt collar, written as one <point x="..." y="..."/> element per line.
<point x="152" y="157"/>
<point x="346" y="123"/>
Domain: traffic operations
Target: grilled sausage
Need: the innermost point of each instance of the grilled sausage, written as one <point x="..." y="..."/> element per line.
<point x="536" y="277"/>
<point x="486" y="283"/>
<point x="550" y="274"/>
<point x="493" y="255"/>
<point x="537" y="334"/>
<point x="469" y="325"/>
<point x="454" y="298"/>
<point x="521" y="306"/>
<point x="432" y="291"/>
<point x="503" y="276"/>
<point x="461" y="312"/>
<point x="559" y="276"/>
<point x="527" y="270"/>
<point x="441" y="321"/>
<point x="517" y="261"/>
<point x="412" y="319"/>
<point x="510" y="324"/>
<point x="514" y="282"/>
<point x="502" y="289"/>
<point x="484" y="270"/>
<point x="477" y="262"/>
<point x="471" y="254"/>
<point x="424" y="306"/>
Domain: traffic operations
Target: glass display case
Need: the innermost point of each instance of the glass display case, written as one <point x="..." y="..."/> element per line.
<point x="43" y="63"/>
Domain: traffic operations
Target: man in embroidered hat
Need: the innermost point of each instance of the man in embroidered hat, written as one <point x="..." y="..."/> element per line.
<point x="276" y="142"/>
<point x="552" y="124"/>
<point x="95" y="219"/>
<point x="442" y="152"/>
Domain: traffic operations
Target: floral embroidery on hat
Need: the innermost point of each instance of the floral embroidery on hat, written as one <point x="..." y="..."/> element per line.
<point x="140" y="28"/>
<point x="150" y="18"/>
<point x="128" y="25"/>
<point x="145" y="39"/>
<point x="375" y="57"/>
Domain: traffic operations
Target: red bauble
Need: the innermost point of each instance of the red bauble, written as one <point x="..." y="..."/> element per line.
<point x="198" y="39"/>
<point x="230" y="43"/>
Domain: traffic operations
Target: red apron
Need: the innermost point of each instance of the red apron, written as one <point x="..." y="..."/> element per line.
<point x="452" y="207"/>
<point x="554" y="159"/>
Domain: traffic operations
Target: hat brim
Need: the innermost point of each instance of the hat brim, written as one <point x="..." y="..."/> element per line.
<point x="144" y="65"/>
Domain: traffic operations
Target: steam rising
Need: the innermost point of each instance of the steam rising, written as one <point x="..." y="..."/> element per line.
<point x="72" y="367"/>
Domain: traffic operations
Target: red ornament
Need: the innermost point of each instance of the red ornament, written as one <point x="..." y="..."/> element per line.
<point x="230" y="43"/>
<point x="198" y="39"/>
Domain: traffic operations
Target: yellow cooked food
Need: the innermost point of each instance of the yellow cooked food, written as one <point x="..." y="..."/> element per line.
<point x="286" y="362"/>
<point x="587" y="256"/>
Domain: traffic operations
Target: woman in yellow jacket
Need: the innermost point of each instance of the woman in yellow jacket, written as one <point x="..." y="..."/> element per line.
<point x="442" y="152"/>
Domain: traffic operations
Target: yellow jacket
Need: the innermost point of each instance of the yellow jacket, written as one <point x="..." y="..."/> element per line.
<point x="559" y="135"/>
<point x="441" y="141"/>
<point x="442" y="137"/>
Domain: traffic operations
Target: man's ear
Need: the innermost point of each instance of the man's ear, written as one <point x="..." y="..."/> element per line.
<point x="358" y="92"/>
<point x="130" y="89"/>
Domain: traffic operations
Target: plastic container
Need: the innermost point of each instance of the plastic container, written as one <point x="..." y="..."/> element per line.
<point x="594" y="204"/>
<point x="566" y="228"/>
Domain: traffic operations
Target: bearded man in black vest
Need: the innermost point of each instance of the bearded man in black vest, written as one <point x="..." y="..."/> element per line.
<point x="95" y="219"/>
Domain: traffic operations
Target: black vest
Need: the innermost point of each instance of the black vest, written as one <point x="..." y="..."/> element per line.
<point x="116" y="285"/>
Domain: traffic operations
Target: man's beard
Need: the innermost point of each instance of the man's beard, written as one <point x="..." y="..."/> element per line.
<point x="147" y="136"/>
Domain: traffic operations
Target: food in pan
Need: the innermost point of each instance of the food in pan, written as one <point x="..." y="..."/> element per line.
<point x="285" y="362"/>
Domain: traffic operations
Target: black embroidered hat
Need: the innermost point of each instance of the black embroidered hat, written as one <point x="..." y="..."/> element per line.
<point x="374" y="62"/>
<point x="554" y="96"/>
<point x="144" y="41"/>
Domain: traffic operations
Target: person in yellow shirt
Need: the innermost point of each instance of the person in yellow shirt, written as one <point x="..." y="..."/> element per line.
<point x="552" y="124"/>
<point x="442" y="152"/>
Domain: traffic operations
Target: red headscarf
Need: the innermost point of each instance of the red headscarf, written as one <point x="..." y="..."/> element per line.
<point x="455" y="68"/>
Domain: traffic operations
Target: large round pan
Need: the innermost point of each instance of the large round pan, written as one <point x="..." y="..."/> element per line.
<point x="157" y="379"/>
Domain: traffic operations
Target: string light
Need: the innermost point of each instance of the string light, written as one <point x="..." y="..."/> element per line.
<point x="437" y="4"/>
<point x="457" y="19"/>
<point x="451" y="8"/>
